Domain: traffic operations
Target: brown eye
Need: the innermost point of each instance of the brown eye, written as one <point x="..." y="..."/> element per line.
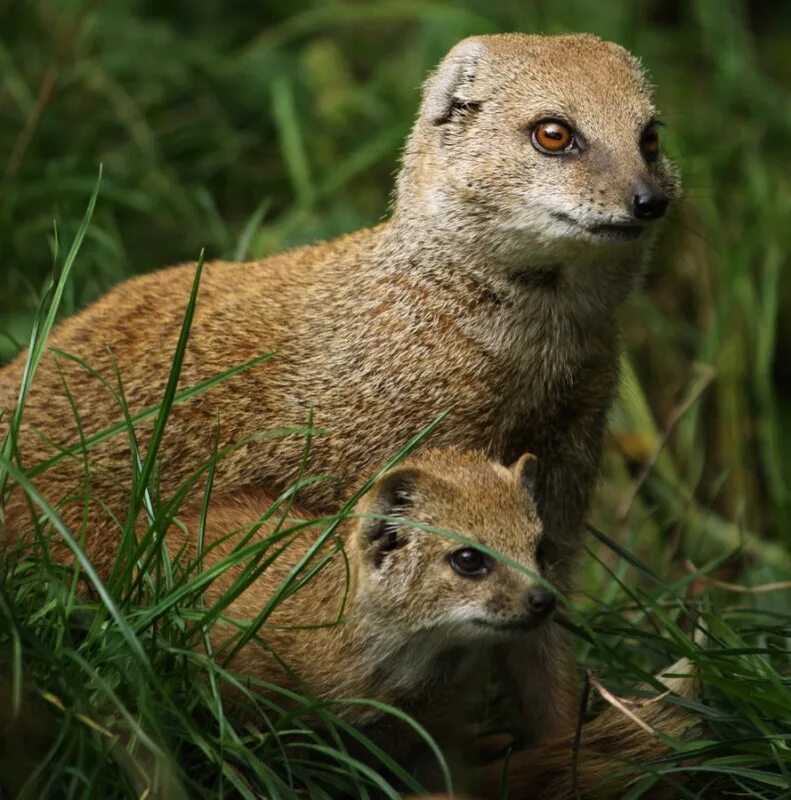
<point x="551" y="136"/>
<point x="469" y="562"/>
<point x="649" y="144"/>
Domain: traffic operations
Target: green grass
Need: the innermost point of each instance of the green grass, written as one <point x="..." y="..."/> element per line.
<point x="246" y="130"/>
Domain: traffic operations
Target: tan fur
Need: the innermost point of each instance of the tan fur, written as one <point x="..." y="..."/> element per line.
<point x="485" y="292"/>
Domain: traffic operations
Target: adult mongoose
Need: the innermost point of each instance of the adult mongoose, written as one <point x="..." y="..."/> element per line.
<point x="523" y="212"/>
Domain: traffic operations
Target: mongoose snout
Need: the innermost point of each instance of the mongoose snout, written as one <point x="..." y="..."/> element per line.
<point x="649" y="201"/>
<point x="520" y="611"/>
<point x="540" y="601"/>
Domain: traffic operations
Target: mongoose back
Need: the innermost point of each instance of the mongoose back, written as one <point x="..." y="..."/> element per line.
<point x="524" y="208"/>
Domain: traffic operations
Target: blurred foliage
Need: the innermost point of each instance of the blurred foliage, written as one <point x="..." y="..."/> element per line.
<point x="247" y="128"/>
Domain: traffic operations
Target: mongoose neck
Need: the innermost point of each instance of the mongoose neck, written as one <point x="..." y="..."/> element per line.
<point x="569" y="284"/>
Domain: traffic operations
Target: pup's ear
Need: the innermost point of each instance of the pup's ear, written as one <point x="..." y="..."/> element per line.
<point x="451" y="86"/>
<point x="391" y="496"/>
<point x="526" y="472"/>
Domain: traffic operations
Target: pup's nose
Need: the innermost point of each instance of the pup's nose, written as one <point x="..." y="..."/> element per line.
<point x="649" y="202"/>
<point x="540" y="601"/>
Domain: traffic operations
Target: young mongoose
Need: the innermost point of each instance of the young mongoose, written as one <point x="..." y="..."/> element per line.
<point x="403" y="611"/>
<point x="406" y="616"/>
<point x="523" y="211"/>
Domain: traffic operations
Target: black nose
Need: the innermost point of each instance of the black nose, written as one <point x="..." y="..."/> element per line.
<point x="540" y="601"/>
<point x="648" y="202"/>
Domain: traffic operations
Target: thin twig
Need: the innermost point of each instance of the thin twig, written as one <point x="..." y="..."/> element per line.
<point x="620" y="704"/>
<point x="776" y="586"/>
<point x="45" y="90"/>
<point x="706" y="378"/>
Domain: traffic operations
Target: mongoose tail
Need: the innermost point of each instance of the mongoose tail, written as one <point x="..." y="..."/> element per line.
<point x="608" y="745"/>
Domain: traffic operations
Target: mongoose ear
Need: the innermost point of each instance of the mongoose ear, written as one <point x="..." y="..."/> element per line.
<point x="392" y="496"/>
<point x="450" y="84"/>
<point x="526" y="471"/>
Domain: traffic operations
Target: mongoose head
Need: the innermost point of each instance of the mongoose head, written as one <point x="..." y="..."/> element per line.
<point x="541" y="149"/>
<point x="413" y="580"/>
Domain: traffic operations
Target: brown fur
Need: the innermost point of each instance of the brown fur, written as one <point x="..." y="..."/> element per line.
<point x="486" y="292"/>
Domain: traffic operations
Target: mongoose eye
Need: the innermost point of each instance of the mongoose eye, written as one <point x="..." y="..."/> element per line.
<point x="649" y="143"/>
<point x="552" y="136"/>
<point x="470" y="563"/>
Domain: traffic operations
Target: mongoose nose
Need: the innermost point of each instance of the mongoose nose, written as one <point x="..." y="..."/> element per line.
<point x="540" y="601"/>
<point x="649" y="203"/>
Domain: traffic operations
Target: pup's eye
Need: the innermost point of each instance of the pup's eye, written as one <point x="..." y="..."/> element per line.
<point x="470" y="563"/>
<point x="551" y="136"/>
<point x="649" y="144"/>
